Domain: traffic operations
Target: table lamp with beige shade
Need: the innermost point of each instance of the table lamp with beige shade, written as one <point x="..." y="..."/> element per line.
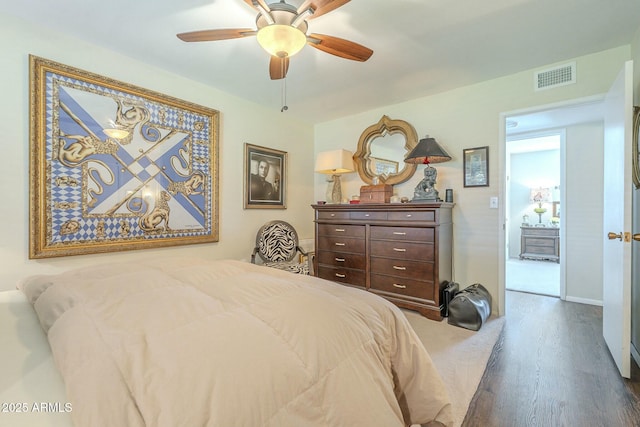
<point x="334" y="163"/>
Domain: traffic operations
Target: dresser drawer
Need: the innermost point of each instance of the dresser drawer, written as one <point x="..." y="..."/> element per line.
<point x="341" y="244"/>
<point x="402" y="268"/>
<point x="343" y="275"/>
<point x="429" y="216"/>
<point x="402" y="286"/>
<point x="341" y="230"/>
<point x="368" y="216"/>
<point x="541" y="231"/>
<point x="333" y="215"/>
<point x="342" y="260"/>
<point x="415" y="234"/>
<point x="532" y="241"/>
<point x="540" y="250"/>
<point x="402" y="250"/>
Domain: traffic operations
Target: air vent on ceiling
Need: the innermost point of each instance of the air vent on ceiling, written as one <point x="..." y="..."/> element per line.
<point x="554" y="77"/>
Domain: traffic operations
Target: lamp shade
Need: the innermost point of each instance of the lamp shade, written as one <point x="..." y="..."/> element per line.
<point x="540" y="195"/>
<point x="335" y="162"/>
<point x="281" y="40"/>
<point x="427" y="151"/>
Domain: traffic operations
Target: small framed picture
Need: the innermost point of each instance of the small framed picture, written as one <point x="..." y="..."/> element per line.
<point x="265" y="173"/>
<point x="476" y="167"/>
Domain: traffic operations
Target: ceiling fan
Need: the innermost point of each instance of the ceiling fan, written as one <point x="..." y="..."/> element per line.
<point x="282" y="32"/>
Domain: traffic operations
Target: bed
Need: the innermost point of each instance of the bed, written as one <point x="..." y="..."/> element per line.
<point x="189" y="342"/>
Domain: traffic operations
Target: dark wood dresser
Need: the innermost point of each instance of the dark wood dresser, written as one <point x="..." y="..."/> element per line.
<point x="542" y="243"/>
<point x="401" y="252"/>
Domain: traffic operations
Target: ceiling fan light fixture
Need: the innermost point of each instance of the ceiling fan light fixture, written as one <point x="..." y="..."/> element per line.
<point x="281" y="40"/>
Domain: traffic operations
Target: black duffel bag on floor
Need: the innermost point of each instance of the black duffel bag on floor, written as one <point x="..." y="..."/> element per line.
<point x="470" y="307"/>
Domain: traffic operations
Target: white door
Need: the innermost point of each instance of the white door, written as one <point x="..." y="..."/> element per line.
<point x="616" y="287"/>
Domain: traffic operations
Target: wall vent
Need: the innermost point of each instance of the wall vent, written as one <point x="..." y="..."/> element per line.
<point x="554" y="77"/>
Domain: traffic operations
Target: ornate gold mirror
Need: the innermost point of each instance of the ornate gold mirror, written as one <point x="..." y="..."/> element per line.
<point x="381" y="151"/>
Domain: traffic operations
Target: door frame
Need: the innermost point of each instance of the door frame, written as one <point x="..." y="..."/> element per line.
<point x="502" y="216"/>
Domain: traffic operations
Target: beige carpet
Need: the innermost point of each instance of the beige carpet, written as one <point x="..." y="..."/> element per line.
<point x="460" y="355"/>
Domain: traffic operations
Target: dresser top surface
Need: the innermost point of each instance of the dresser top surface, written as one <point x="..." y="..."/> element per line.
<point x="384" y="206"/>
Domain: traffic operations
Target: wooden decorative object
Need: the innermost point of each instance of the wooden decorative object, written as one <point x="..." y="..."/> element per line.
<point x="380" y="193"/>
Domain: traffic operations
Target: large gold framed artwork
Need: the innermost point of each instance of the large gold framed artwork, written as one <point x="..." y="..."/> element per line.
<point x="116" y="167"/>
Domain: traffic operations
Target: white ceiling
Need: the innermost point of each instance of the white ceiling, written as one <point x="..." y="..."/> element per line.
<point x="421" y="47"/>
<point x="554" y="118"/>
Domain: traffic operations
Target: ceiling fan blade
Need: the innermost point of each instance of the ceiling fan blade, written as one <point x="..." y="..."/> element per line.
<point x="213" y="35"/>
<point x="260" y="2"/>
<point x="339" y="47"/>
<point x="321" y="6"/>
<point x="278" y="67"/>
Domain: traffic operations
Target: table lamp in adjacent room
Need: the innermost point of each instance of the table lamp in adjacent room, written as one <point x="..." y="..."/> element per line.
<point x="426" y="152"/>
<point x="540" y="195"/>
<point x="334" y="163"/>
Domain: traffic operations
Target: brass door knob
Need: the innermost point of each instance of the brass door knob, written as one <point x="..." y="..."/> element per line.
<point x="613" y="236"/>
<point x="636" y="237"/>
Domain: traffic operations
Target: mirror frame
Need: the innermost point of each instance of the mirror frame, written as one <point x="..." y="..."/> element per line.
<point x="385" y="125"/>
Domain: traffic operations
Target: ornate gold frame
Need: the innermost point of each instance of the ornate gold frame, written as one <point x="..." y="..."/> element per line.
<point x="93" y="191"/>
<point x="363" y="153"/>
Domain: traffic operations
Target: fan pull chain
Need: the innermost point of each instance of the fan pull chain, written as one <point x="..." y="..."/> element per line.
<point x="284" y="91"/>
<point x="284" y="96"/>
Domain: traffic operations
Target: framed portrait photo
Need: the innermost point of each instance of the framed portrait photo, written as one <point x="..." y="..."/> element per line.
<point x="265" y="178"/>
<point x="476" y="166"/>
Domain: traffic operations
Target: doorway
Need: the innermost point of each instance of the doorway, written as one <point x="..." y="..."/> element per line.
<point x="581" y="122"/>
<point x="533" y="236"/>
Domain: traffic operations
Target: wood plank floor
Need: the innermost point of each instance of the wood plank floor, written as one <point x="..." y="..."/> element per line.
<point x="551" y="367"/>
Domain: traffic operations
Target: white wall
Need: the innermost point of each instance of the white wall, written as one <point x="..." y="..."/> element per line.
<point x="464" y="118"/>
<point x="240" y="121"/>
<point x="582" y="214"/>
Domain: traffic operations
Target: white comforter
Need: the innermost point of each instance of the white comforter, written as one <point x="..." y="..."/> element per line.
<point x="226" y="343"/>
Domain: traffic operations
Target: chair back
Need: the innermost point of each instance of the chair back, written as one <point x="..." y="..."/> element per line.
<point x="277" y="241"/>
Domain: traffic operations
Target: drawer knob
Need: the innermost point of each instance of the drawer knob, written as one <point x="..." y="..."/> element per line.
<point x="340" y="244"/>
<point x="333" y="214"/>
<point x="400" y="249"/>
<point x="397" y="267"/>
<point x="339" y="230"/>
<point x="342" y="276"/>
<point x="396" y="285"/>
<point x="339" y="259"/>
<point x="409" y="215"/>
<point x="366" y="215"/>
<point x="399" y="233"/>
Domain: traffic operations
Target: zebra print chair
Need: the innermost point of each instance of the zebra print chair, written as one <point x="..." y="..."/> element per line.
<point x="277" y="247"/>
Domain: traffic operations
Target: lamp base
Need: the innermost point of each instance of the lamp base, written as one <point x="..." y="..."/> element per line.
<point x="540" y="210"/>
<point x="334" y="190"/>
<point x="426" y="199"/>
<point x="425" y="190"/>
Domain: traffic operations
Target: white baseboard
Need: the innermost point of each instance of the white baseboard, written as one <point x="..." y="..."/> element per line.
<point x="584" y="301"/>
